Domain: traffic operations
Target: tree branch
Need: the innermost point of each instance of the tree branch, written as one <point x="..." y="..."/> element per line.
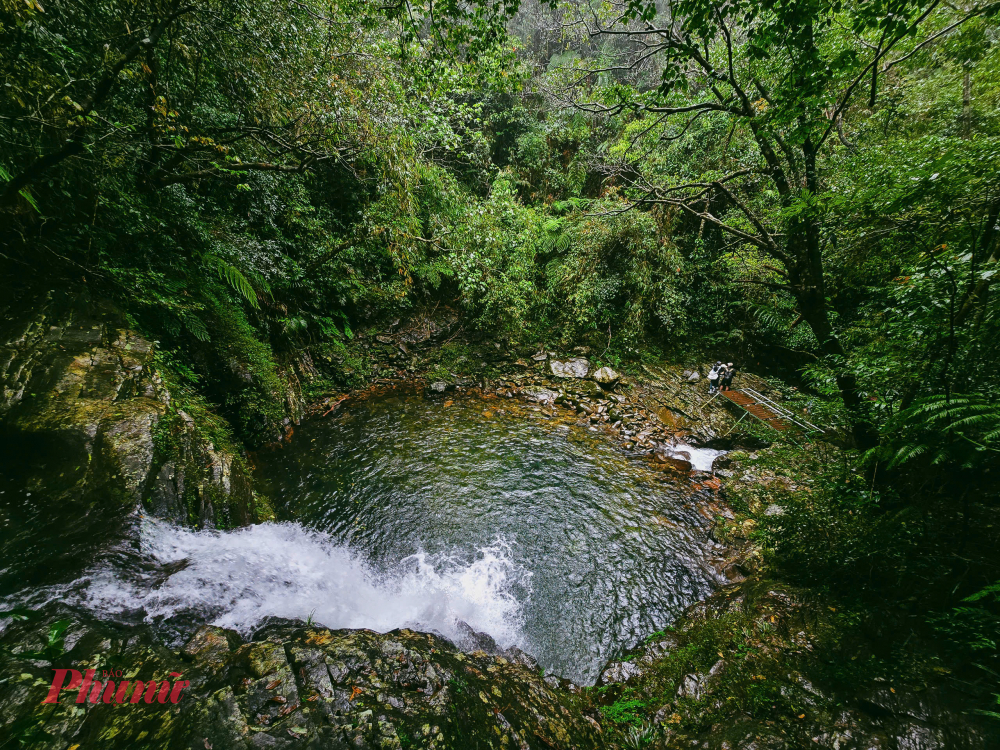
<point x="75" y="144"/>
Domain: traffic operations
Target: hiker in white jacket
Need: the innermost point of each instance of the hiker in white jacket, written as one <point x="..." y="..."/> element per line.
<point x="713" y="378"/>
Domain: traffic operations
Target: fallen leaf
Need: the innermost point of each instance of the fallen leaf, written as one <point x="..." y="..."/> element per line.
<point x="355" y="692"/>
<point x="802" y="716"/>
<point x="279" y="699"/>
<point x="273" y="685"/>
<point x="312" y="698"/>
<point x="448" y="403"/>
<point x="320" y="638"/>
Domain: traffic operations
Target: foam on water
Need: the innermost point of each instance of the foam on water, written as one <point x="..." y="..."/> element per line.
<point x="237" y="578"/>
<point x="701" y="458"/>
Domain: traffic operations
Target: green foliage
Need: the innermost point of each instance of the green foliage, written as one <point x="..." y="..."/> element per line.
<point x="974" y="628"/>
<point x="236" y="279"/>
<point x="626" y="711"/>
<point x="638" y="737"/>
<point x="959" y="430"/>
<point x="494" y="259"/>
<point x="617" y="271"/>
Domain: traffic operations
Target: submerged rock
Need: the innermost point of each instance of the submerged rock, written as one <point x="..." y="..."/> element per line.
<point x="672" y="463"/>
<point x="293" y="686"/>
<point x="577" y="367"/>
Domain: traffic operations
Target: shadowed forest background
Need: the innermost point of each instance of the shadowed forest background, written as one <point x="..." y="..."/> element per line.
<point x="807" y="188"/>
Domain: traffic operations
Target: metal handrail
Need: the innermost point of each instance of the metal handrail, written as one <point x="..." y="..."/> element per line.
<point x="782" y="412"/>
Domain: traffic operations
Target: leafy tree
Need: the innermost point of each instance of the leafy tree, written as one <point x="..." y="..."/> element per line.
<point x="782" y="77"/>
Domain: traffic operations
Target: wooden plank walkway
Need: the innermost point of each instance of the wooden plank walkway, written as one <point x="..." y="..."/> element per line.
<point x="774" y="415"/>
<point x="757" y="409"/>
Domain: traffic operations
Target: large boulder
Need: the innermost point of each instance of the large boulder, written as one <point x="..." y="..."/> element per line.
<point x="607" y="377"/>
<point x="575" y="367"/>
<point x="539" y="393"/>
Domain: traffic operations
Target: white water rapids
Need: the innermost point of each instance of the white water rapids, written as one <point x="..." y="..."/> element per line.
<point x="238" y="578"/>
<point x="701" y="458"/>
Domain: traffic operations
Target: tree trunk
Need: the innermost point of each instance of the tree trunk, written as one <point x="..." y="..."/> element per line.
<point x="812" y="304"/>
<point x="966" y="104"/>
<point x="809" y="288"/>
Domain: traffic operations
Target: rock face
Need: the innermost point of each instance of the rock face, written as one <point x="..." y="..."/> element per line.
<point x="89" y="390"/>
<point x="85" y="390"/>
<point x="576" y="367"/>
<point x="292" y="686"/>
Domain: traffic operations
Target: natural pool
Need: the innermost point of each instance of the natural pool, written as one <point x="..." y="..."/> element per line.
<point x="525" y="526"/>
<point x="434" y="513"/>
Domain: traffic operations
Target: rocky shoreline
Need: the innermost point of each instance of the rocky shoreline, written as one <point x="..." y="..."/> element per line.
<point x="291" y="685"/>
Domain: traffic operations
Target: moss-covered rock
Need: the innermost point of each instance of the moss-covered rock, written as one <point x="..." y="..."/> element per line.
<point x="94" y="395"/>
<point x="293" y="686"/>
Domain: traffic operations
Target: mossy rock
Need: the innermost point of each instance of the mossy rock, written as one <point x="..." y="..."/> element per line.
<point x="293" y="686"/>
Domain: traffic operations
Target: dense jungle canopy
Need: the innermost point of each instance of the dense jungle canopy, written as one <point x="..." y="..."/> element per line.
<point x="810" y="188"/>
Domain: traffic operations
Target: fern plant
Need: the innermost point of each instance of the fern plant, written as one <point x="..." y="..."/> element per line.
<point x="554" y="238"/>
<point x="960" y="429"/>
<point x="235" y="278"/>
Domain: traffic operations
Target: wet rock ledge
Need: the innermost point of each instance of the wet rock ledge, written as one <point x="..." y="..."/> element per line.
<point x="291" y="686"/>
<point x="85" y="391"/>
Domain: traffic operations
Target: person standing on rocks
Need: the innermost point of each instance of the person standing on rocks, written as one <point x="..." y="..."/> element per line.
<point x="727" y="377"/>
<point x="713" y="378"/>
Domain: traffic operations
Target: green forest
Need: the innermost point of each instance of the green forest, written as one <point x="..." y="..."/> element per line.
<point x="807" y="188"/>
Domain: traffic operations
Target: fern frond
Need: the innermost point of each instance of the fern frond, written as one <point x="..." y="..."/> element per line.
<point x="235" y="278"/>
<point x="197" y="327"/>
<point x="906" y="453"/>
<point x="5" y="176"/>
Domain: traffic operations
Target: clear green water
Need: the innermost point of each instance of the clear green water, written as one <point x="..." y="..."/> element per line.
<point x="540" y="533"/>
<point x="398" y="511"/>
